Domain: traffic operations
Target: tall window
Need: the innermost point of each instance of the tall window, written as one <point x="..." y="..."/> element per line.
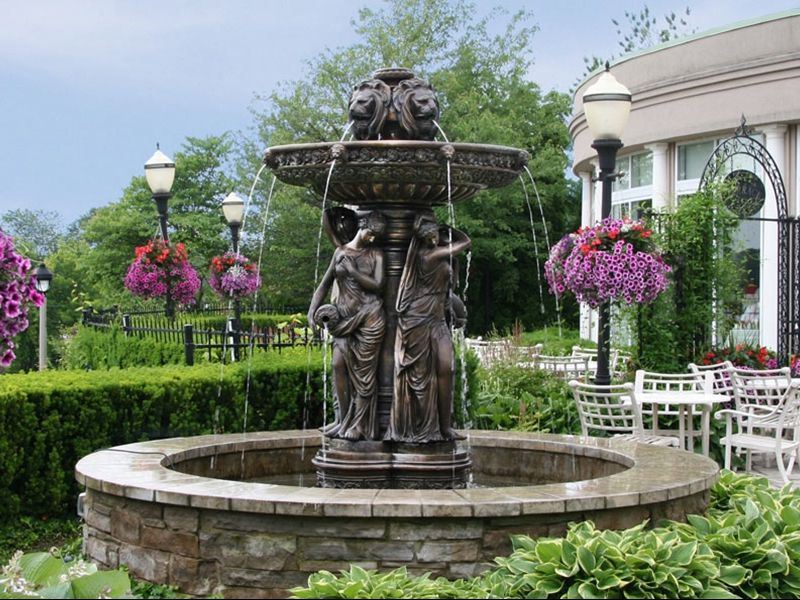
<point x="633" y="190"/>
<point x="692" y="159"/>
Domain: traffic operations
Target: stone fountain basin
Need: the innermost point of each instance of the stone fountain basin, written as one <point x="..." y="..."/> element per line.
<point x="390" y="171"/>
<point x="165" y="509"/>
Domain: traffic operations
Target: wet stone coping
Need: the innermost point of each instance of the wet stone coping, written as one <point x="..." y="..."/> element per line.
<point x="649" y="475"/>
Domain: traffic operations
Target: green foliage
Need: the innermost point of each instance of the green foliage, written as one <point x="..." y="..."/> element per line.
<point x="49" y="420"/>
<point x="30" y="533"/>
<point x="511" y="397"/>
<point x="92" y="349"/>
<point x="359" y="583"/>
<point x="36" y="233"/>
<point x="46" y="575"/>
<point x="481" y="78"/>
<point x="555" y="341"/>
<point x="747" y="546"/>
<point x="697" y="242"/>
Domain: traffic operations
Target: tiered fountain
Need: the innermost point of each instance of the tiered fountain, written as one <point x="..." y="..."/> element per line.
<point x="200" y="513"/>
<point x="393" y="429"/>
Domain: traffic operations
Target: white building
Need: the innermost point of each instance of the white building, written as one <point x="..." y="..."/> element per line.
<point x="688" y="95"/>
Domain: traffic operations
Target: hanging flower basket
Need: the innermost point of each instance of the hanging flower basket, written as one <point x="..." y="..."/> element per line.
<point x="613" y="261"/>
<point x="17" y="293"/>
<point x="160" y="268"/>
<point x="234" y="276"/>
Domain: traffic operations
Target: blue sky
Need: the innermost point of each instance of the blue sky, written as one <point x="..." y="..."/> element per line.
<point x="87" y="87"/>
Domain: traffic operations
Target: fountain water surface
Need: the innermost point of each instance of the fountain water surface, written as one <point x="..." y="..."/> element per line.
<point x="213" y="513"/>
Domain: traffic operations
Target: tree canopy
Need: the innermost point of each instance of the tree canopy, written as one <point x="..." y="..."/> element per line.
<point x="479" y="67"/>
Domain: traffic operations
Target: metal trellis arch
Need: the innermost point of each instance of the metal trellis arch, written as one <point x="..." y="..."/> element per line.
<point x="742" y="143"/>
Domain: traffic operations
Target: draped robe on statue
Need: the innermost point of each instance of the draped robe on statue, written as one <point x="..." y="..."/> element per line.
<point x="358" y="334"/>
<point x="421" y="326"/>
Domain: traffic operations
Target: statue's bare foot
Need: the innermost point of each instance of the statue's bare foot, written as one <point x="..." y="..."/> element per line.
<point x="452" y="434"/>
<point x="351" y="435"/>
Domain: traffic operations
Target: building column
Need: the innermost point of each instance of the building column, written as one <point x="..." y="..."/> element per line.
<point x="585" y="323"/>
<point x="775" y="136"/>
<point x="660" y="175"/>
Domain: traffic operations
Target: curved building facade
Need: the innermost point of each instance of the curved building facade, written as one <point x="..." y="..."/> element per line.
<point x="688" y="95"/>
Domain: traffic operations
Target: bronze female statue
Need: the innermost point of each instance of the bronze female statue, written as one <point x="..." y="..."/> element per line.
<point x="424" y="361"/>
<point x="357" y="322"/>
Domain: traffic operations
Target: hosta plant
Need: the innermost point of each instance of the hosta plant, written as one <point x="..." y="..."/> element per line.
<point x="47" y="575"/>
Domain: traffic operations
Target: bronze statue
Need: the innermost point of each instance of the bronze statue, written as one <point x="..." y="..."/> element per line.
<point x="369" y="107"/>
<point x="423" y="353"/>
<point x="417" y="109"/>
<point x="357" y="322"/>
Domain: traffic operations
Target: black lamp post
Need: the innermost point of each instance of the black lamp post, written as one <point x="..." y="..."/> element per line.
<point x="233" y="210"/>
<point x="159" y="171"/>
<point x="43" y="278"/>
<point x="607" y="105"/>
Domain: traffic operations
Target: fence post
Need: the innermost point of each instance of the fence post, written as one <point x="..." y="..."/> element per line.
<point x="86" y="316"/>
<point x="188" y="343"/>
<point x="126" y="324"/>
<point x="231" y="330"/>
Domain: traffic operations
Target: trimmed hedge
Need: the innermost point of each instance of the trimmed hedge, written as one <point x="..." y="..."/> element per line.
<point x="49" y="420"/>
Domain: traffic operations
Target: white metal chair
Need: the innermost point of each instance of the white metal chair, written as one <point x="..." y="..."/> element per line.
<point x="765" y="428"/>
<point x="613" y="410"/>
<point x="613" y="359"/>
<point x="565" y="367"/>
<point x="721" y="372"/>
<point x="759" y="386"/>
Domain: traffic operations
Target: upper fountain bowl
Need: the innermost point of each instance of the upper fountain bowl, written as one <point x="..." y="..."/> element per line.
<point x="386" y="171"/>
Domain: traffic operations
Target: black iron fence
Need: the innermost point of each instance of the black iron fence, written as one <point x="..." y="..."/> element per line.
<point x="227" y="343"/>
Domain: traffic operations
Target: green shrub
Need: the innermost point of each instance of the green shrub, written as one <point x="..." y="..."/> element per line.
<point x="511" y="397"/>
<point x="49" y="420"/>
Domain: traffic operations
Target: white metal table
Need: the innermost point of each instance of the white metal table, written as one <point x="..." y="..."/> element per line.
<point x="687" y="403"/>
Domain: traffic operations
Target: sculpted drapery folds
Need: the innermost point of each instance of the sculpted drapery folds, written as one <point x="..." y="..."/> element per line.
<point x="356" y="320"/>
<point x="424" y="360"/>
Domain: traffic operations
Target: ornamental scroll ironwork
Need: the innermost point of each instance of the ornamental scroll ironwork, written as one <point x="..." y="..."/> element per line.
<point x="742" y="143"/>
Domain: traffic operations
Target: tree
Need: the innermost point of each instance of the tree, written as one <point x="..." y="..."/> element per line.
<point x="481" y="80"/>
<point x="36" y="233"/>
<point x="642" y="30"/>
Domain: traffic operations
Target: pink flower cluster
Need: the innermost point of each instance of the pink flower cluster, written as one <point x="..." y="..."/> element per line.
<point x="234" y="275"/>
<point x="17" y="292"/>
<point x="158" y="268"/>
<point x="610" y="262"/>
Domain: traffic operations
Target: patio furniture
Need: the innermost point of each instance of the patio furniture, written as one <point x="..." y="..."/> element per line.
<point x="565" y="367"/>
<point x="614" y="362"/>
<point x="772" y="429"/>
<point x="612" y="409"/>
<point x="721" y="373"/>
<point x="678" y="396"/>
<point x="491" y="352"/>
